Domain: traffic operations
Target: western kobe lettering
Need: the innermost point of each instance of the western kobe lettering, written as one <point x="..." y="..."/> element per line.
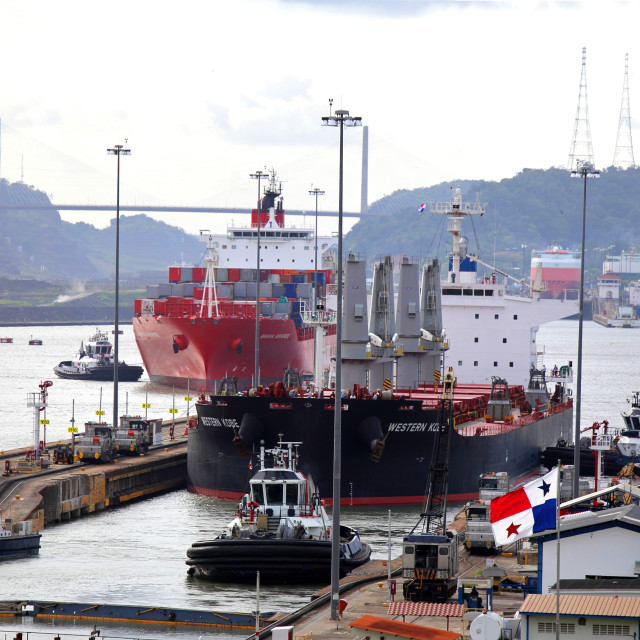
<point x="413" y="426"/>
<point x="209" y="421"/>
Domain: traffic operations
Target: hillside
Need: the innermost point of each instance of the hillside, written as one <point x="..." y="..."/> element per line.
<point x="535" y="208"/>
<point x="41" y="245"/>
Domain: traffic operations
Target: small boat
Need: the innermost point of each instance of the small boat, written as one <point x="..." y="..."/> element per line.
<point x="95" y="362"/>
<point x="6" y="340"/>
<point x="35" y="341"/>
<point x="280" y="529"/>
<point x="17" y="539"/>
<point x="617" y="447"/>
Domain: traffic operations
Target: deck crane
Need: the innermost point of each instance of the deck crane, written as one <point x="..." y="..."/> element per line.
<point x="521" y="281"/>
<point x="430" y="556"/>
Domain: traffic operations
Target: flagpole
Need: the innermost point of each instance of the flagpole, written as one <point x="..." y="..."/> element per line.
<point x="558" y="552"/>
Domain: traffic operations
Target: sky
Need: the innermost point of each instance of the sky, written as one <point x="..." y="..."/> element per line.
<point x="206" y="92"/>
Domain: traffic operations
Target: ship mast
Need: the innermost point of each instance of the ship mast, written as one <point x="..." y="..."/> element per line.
<point x="209" y="294"/>
<point x="457" y="211"/>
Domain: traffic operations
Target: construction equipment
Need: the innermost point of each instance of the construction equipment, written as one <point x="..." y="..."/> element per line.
<point x="97" y="443"/>
<point x="430" y="557"/>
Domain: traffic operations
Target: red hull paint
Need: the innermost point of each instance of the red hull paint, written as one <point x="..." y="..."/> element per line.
<point x="558" y="279"/>
<point x="204" y="350"/>
<point x="356" y="502"/>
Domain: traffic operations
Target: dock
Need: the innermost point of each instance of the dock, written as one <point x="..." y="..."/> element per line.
<point x="63" y="492"/>
<point x="369" y="595"/>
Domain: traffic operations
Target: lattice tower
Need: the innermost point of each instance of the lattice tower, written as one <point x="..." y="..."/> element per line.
<point x="581" y="147"/>
<point x="623" y="154"/>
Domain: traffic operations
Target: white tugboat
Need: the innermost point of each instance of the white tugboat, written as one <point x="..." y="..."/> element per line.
<point x="280" y="529"/>
<point x="95" y="362"/>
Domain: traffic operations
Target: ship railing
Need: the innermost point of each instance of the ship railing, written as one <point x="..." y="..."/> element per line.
<point x="604" y="441"/>
<point x="495" y="428"/>
<point x="389" y="350"/>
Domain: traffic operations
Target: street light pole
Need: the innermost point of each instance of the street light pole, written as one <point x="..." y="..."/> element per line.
<point x="258" y="175"/>
<point x="317" y="192"/>
<point x="341" y="119"/>
<point x="584" y="170"/>
<point x="118" y="150"/>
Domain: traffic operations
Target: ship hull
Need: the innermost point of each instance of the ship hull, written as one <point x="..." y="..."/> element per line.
<point x="277" y="560"/>
<point x="126" y="373"/>
<point x="199" y="352"/>
<point x="216" y="468"/>
<point x="19" y="546"/>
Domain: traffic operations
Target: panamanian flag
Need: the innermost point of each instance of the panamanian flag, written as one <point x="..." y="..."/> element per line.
<point x="422" y="206"/>
<point x="526" y="510"/>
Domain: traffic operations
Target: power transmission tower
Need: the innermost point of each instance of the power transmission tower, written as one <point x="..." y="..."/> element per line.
<point x="581" y="148"/>
<point x="623" y="154"/>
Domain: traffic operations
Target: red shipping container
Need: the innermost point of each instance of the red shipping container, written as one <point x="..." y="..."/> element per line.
<point x="137" y="306"/>
<point x="234" y="275"/>
<point x="159" y="307"/>
<point x="199" y="274"/>
<point x="175" y="274"/>
<point x="198" y="292"/>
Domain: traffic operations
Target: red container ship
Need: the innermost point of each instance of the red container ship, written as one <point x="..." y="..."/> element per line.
<point x="556" y="271"/>
<point x="199" y="327"/>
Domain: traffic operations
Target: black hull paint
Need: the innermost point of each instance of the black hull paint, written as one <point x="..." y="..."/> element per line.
<point x="215" y="467"/>
<point x="278" y="560"/>
<point x="126" y="373"/>
<point x="612" y="462"/>
<point x="19" y="546"/>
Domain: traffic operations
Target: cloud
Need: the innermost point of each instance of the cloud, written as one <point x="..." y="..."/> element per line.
<point x="399" y="8"/>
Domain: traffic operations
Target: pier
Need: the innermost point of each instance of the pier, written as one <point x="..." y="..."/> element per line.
<point x="63" y="492"/>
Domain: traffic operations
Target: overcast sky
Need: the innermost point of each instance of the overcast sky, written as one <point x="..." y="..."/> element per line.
<point x="208" y="91"/>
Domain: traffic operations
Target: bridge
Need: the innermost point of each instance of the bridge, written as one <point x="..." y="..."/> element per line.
<point x="42" y="206"/>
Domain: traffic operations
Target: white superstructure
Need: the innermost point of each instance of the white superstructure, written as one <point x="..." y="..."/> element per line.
<point x="281" y="247"/>
<point x="490" y="332"/>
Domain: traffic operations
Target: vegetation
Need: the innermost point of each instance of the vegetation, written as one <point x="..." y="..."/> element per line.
<point x="535" y="208"/>
<point x="532" y="210"/>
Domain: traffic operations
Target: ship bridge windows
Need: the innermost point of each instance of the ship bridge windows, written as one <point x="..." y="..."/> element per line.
<point x="291" y="493"/>
<point x="274" y="493"/>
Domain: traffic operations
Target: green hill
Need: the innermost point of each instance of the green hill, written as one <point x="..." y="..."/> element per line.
<point x="536" y="208"/>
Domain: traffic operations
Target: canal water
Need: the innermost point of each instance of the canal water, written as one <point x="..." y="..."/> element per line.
<point x="136" y="554"/>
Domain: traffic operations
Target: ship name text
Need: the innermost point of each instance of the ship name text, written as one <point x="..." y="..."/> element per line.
<point x="210" y="421"/>
<point x="413" y="426"/>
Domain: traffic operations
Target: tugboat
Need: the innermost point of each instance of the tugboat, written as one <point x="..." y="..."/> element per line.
<point x="6" y="340"/>
<point x="280" y="529"/>
<point x="35" y="341"/>
<point x="95" y="362"/>
<point x="17" y="539"/>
